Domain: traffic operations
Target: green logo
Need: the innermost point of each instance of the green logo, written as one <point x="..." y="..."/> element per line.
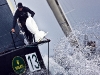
<point x="18" y="65"/>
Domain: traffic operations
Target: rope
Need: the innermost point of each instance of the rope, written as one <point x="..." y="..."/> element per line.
<point x="15" y="3"/>
<point x="48" y="58"/>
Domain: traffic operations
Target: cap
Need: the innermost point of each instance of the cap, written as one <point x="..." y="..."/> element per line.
<point x="20" y="5"/>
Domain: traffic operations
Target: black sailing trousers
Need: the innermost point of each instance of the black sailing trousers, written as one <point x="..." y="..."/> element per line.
<point x="28" y="34"/>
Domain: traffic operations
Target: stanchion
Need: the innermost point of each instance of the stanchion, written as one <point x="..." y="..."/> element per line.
<point x="48" y="58"/>
<point x="13" y="39"/>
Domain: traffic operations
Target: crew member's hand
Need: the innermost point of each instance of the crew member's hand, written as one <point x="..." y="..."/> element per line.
<point x="13" y="30"/>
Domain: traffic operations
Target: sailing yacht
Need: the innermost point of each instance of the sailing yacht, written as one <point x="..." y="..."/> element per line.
<point x="15" y="56"/>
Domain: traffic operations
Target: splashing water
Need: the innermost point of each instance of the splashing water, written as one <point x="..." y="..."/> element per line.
<point x="75" y="62"/>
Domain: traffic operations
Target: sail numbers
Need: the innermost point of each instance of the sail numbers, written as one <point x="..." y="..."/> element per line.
<point x="33" y="62"/>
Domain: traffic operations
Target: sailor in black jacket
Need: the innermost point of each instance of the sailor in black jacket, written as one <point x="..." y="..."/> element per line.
<point x="22" y="14"/>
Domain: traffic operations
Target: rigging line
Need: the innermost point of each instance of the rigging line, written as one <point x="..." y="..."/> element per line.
<point x="66" y="7"/>
<point x="15" y="3"/>
<point x="63" y="4"/>
<point x="71" y="4"/>
<point x="73" y="18"/>
<point x="67" y="4"/>
<point x="13" y="39"/>
<point x="69" y="11"/>
<point x="48" y="58"/>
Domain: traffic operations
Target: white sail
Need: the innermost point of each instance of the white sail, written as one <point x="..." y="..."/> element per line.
<point x="33" y="28"/>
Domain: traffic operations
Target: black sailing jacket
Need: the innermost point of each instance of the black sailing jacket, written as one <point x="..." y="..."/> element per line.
<point x="22" y="15"/>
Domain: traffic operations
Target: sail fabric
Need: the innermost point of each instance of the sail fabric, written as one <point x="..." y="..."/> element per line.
<point x="33" y="28"/>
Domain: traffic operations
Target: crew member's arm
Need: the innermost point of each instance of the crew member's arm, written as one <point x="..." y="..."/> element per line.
<point x="14" y="21"/>
<point x="30" y="11"/>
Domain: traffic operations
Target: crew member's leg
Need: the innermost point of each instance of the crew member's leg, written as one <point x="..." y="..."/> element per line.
<point x="27" y="33"/>
<point x="30" y="37"/>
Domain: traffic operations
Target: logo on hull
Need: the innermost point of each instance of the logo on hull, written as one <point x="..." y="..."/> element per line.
<point x="18" y="65"/>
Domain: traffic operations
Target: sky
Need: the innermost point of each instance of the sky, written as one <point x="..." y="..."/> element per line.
<point x="82" y="9"/>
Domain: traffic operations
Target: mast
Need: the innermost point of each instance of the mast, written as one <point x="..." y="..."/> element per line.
<point x="54" y="5"/>
<point x="62" y="20"/>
